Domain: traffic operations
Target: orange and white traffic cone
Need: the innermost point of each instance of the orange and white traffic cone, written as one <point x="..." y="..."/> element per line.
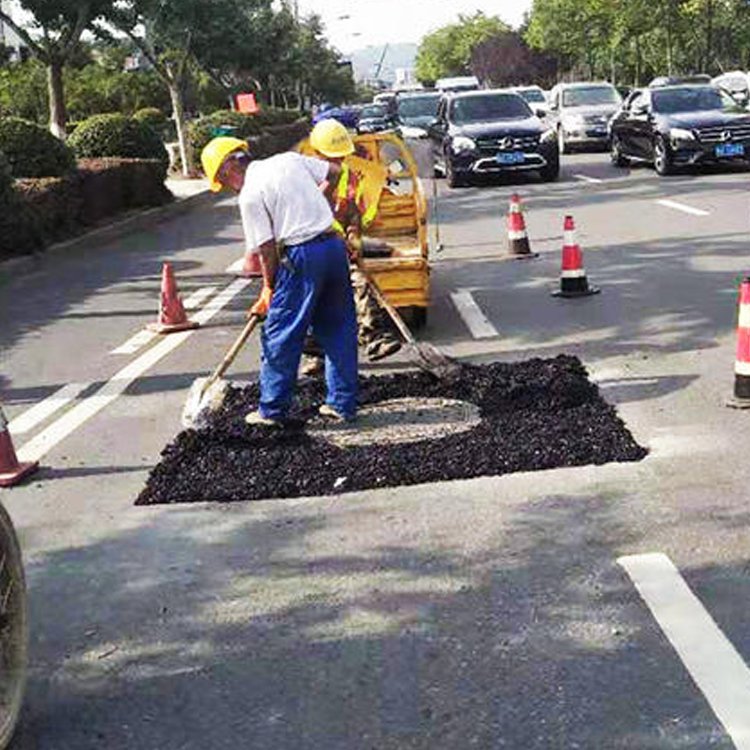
<point x="741" y="398"/>
<point x="573" y="281"/>
<point x="172" y="315"/>
<point x="11" y="471"/>
<point x="518" y="239"/>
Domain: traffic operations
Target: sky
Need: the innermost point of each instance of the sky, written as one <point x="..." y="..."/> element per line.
<point x="380" y="21"/>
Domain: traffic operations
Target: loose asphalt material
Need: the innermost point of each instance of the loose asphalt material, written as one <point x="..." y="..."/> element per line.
<point x="538" y="414"/>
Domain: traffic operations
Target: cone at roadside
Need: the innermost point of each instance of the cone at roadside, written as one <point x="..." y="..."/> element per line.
<point x="741" y="398"/>
<point x="573" y="280"/>
<point x="11" y="470"/>
<point x="172" y="315"/>
<point x="518" y="239"/>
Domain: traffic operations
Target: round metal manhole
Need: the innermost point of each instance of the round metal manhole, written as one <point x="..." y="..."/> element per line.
<point x="402" y="420"/>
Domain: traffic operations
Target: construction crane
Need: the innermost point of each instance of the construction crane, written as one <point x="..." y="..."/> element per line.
<point x="379" y="67"/>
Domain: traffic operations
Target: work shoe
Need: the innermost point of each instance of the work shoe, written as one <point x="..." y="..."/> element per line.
<point x="326" y="410"/>
<point x="382" y="348"/>
<point x="312" y="367"/>
<point x="256" y="419"/>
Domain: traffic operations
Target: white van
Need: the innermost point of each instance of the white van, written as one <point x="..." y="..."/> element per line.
<point x="459" y="83"/>
<point x="736" y="83"/>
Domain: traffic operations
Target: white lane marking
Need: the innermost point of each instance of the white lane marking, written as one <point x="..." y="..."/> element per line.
<point x="586" y="178"/>
<point x="709" y="657"/>
<point x="140" y="339"/>
<point x="116" y="386"/>
<point x="476" y="321"/>
<point x="236" y="267"/>
<point x="36" y="414"/>
<point x="682" y="207"/>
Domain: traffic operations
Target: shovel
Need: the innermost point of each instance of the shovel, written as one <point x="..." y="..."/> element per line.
<point x="207" y="395"/>
<point x="426" y="356"/>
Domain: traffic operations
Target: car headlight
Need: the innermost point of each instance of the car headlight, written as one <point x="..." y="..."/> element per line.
<point x="461" y="144"/>
<point x="680" y="134"/>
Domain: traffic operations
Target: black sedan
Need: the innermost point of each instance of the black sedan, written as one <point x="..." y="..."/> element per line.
<point x="678" y="126"/>
<point x="491" y="132"/>
<point x="375" y="118"/>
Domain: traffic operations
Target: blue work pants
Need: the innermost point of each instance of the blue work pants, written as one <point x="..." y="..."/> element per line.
<point x="312" y="291"/>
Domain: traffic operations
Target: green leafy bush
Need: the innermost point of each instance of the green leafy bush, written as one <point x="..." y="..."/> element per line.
<point x="32" y="151"/>
<point x="153" y="117"/>
<point x="117" y="136"/>
<point x="16" y="230"/>
<point x="202" y="130"/>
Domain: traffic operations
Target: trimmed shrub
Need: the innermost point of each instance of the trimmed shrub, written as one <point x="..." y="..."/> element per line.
<point x="153" y="117"/>
<point x="117" y="136"/>
<point x="32" y="151"/>
<point x="16" y="235"/>
<point x="202" y="130"/>
<point x="278" y="139"/>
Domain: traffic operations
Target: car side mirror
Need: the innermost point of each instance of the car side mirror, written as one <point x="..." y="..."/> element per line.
<point x="541" y="113"/>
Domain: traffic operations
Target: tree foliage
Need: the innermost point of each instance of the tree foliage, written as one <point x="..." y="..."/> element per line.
<point x="447" y="51"/>
<point x="633" y="40"/>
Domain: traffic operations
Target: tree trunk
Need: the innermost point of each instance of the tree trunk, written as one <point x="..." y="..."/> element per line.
<point x="186" y="153"/>
<point x="58" y="117"/>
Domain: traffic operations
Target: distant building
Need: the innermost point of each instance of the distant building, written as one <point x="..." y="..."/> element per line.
<point x="405" y="77"/>
<point x="8" y="37"/>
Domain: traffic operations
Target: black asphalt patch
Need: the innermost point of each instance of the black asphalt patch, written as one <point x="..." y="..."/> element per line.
<point x="538" y="414"/>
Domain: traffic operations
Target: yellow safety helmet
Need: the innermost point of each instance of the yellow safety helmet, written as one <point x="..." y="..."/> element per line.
<point x="331" y="138"/>
<point x="213" y="155"/>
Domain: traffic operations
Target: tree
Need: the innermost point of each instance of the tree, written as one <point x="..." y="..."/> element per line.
<point x="447" y="51"/>
<point x="506" y="60"/>
<point x="53" y="37"/>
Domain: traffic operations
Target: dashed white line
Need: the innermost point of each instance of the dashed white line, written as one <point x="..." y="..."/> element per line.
<point x="116" y="386"/>
<point x="35" y="415"/>
<point x="476" y="321"/>
<point x="711" y="660"/>
<point x="586" y="178"/>
<point x="236" y="267"/>
<point x="683" y="207"/>
<point x="140" y="339"/>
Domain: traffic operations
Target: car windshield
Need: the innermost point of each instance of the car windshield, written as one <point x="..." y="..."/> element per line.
<point x="374" y="110"/>
<point x="693" y="99"/>
<point x="418" y="106"/>
<point x="587" y="95"/>
<point x="482" y="108"/>
<point x="532" y="95"/>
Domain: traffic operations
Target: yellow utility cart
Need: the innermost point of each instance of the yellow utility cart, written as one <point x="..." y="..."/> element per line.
<point x="400" y="225"/>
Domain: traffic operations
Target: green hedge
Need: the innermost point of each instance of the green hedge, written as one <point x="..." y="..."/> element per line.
<point x="52" y="209"/>
<point x="278" y="139"/>
<point x="153" y="117"/>
<point x="117" y="136"/>
<point x="32" y="151"/>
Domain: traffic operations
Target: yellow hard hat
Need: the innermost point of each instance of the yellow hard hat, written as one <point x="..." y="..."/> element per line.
<point x="213" y="155"/>
<point x="331" y="138"/>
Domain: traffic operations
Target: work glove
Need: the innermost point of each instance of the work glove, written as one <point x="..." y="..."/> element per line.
<point x="260" y="308"/>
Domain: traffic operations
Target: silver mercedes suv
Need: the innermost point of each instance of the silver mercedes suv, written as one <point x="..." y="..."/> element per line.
<point x="580" y="113"/>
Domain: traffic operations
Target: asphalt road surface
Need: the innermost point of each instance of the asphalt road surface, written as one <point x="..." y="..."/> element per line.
<point x="491" y="613"/>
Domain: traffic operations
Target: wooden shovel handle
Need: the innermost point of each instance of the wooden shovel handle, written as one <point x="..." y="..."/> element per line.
<point x="389" y="308"/>
<point x="234" y="350"/>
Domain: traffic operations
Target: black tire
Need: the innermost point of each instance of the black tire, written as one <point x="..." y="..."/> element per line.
<point x="662" y="158"/>
<point x="455" y="180"/>
<point x="562" y="146"/>
<point x="552" y="171"/>
<point x="414" y="316"/>
<point x="14" y="635"/>
<point x="615" y="153"/>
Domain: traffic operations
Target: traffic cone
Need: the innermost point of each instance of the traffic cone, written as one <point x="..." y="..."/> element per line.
<point x="741" y="399"/>
<point x="518" y="239"/>
<point x="172" y="316"/>
<point x="573" y="281"/>
<point x="11" y="471"/>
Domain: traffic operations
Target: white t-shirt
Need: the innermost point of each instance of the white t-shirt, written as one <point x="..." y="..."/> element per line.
<point x="280" y="200"/>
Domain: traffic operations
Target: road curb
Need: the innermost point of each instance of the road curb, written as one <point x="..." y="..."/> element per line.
<point x="141" y="220"/>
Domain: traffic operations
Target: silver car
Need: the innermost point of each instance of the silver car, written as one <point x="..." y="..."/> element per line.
<point x="580" y="113"/>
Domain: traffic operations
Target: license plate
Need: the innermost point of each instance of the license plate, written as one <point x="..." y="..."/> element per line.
<point x="730" y="149"/>
<point x="509" y="157"/>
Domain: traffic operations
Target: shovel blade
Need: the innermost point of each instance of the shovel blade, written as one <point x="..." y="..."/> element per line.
<point x="203" y="401"/>
<point x="431" y="359"/>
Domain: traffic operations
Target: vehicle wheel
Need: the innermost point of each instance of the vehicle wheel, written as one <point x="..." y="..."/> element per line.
<point x="414" y="316"/>
<point x="13" y="629"/>
<point x="552" y="171"/>
<point x="454" y="180"/>
<point x="662" y="158"/>
<point x="561" y="144"/>
<point x="615" y="153"/>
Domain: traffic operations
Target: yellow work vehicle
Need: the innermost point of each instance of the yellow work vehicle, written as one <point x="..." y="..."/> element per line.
<point x="395" y="251"/>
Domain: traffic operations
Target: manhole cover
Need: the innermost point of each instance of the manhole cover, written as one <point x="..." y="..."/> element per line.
<point x="402" y="420"/>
